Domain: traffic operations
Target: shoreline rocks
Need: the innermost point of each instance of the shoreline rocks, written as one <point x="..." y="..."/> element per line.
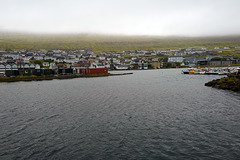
<point x="231" y="82"/>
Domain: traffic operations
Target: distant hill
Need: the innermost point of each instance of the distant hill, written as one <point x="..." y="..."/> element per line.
<point x="110" y="42"/>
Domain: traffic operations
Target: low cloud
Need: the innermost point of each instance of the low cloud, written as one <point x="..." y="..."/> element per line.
<point x="142" y="17"/>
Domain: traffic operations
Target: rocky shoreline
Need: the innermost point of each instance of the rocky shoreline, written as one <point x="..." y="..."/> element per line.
<point x="51" y="77"/>
<point x="231" y="82"/>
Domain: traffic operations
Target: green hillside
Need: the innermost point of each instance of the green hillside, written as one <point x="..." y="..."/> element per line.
<point x="110" y="42"/>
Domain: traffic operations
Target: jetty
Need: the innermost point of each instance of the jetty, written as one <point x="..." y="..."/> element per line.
<point x="60" y="76"/>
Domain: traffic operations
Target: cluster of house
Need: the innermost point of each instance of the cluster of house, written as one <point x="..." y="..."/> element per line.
<point x="209" y="60"/>
<point x="35" y="69"/>
<point x="12" y="59"/>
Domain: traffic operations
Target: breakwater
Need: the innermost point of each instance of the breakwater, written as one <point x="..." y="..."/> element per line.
<point x="51" y="77"/>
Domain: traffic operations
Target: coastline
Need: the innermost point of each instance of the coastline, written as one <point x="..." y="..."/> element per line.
<point x="231" y="82"/>
<point x="51" y="77"/>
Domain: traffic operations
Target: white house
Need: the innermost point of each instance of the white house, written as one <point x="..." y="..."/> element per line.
<point x="175" y="59"/>
<point x="101" y="58"/>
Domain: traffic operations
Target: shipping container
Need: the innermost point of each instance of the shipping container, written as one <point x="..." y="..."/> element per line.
<point x="10" y="73"/>
<point x="92" y="70"/>
<point x="37" y="72"/>
<point x="97" y="70"/>
<point x="65" y="71"/>
<point x="27" y="72"/>
<point x="48" y="72"/>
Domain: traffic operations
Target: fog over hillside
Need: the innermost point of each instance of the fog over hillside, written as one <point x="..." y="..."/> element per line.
<point x="100" y="42"/>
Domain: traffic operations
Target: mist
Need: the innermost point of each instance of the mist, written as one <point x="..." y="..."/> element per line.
<point x="135" y="17"/>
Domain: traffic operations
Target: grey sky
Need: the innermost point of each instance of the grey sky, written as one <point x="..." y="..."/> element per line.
<point x="144" y="17"/>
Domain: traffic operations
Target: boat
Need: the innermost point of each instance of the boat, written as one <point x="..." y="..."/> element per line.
<point x="193" y="71"/>
<point x="211" y="71"/>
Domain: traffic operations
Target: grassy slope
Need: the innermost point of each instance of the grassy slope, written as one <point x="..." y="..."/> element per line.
<point x="232" y="82"/>
<point x="100" y="43"/>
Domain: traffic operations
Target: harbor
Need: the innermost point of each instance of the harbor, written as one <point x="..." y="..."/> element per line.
<point x="119" y="80"/>
<point x="212" y="71"/>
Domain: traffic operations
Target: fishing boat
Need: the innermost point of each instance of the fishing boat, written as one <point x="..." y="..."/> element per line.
<point x="211" y="71"/>
<point x="193" y="71"/>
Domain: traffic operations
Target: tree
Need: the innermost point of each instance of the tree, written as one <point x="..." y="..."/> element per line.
<point x="167" y="65"/>
<point x="165" y="59"/>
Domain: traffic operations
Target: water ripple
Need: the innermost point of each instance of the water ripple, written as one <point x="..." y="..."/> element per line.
<point x="158" y="114"/>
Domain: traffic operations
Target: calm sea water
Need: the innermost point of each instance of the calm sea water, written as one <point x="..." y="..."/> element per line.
<point x="154" y="114"/>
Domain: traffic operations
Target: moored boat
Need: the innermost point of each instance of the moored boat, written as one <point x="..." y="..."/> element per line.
<point x="211" y="71"/>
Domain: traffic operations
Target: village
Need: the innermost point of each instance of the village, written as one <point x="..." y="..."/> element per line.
<point x="28" y="62"/>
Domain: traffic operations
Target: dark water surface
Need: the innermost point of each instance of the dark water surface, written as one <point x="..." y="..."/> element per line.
<point x="155" y="114"/>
